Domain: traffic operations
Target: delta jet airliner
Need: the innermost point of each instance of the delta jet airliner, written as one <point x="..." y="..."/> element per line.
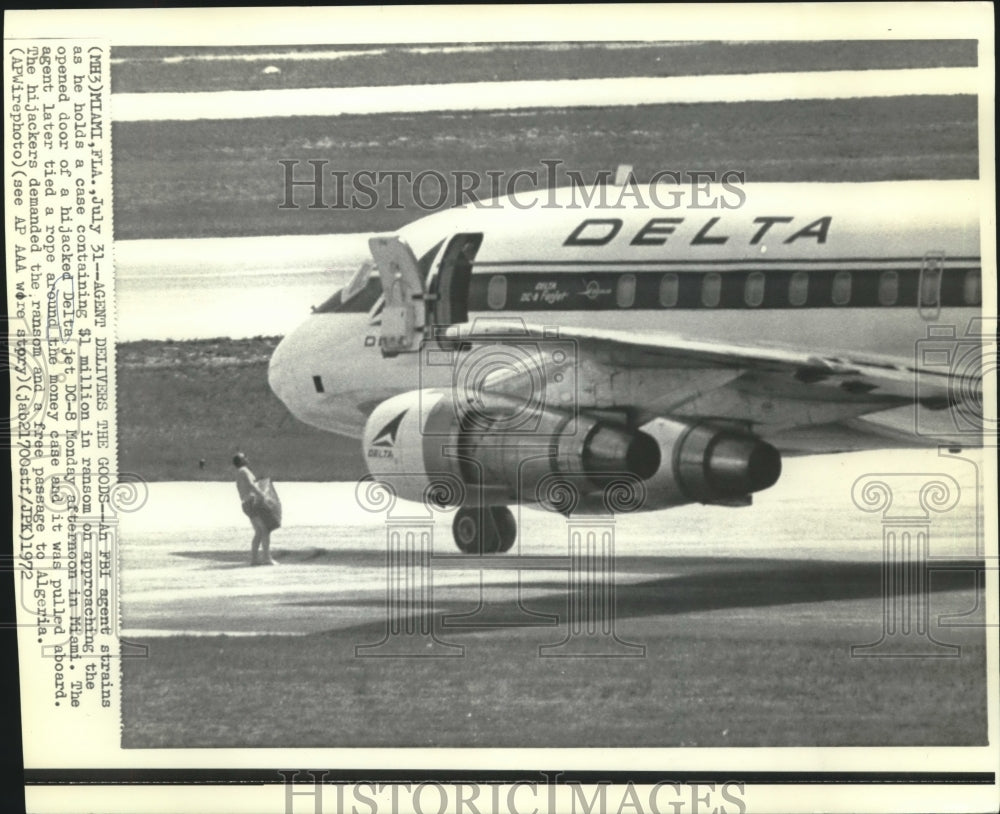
<point x="646" y="350"/>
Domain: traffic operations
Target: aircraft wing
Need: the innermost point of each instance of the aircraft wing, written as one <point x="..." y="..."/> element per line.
<point x="802" y="402"/>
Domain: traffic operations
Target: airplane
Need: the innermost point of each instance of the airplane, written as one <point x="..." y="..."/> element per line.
<point x="646" y="347"/>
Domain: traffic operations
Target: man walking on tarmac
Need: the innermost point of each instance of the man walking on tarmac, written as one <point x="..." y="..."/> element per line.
<point x="252" y="499"/>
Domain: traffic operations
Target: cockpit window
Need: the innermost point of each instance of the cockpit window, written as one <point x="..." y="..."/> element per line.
<point x="365" y="287"/>
<point x="358" y="281"/>
<point x="357" y="296"/>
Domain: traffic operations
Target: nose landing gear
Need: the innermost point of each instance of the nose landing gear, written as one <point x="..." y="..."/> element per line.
<point x="484" y="529"/>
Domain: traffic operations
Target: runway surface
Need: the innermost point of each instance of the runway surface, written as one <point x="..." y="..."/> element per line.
<point x="725" y="627"/>
<point x="519" y="95"/>
<point x="185" y="553"/>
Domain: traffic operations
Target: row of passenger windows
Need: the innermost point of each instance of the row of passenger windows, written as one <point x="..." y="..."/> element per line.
<point x="796" y="289"/>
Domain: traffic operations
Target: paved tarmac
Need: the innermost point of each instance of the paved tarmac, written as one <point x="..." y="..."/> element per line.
<point x="185" y="553"/>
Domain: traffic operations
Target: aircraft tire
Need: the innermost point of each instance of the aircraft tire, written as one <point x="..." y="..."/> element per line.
<point x="473" y="535"/>
<point x="503" y="519"/>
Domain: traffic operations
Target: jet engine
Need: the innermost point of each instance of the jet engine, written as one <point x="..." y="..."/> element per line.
<point x="427" y="446"/>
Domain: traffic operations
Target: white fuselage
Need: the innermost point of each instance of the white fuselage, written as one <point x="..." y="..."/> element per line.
<point x="835" y="268"/>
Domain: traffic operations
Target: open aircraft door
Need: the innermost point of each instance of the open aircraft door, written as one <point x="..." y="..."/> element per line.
<point x="404" y="315"/>
<point x="450" y="282"/>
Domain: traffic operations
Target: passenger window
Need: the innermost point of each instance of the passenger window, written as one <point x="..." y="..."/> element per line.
<point x="972" y="292"/>
<point x="888" y="288"/>
<point x="753" y="291"/>
<point x="625" y="293"/>
<point x="711" y="289"/>
<point x="669" y="290"/>
<point x="930" y="286"/>
<point x="798" y="288"/>
<point x="841" y="288"/>
<point x="496" y="292"/>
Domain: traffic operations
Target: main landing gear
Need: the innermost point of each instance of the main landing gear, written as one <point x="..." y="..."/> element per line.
<point x="484" y="529"/>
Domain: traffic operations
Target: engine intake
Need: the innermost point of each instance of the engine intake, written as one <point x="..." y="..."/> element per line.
<point x="418" y="440"/>
<point x="512" y="465"/>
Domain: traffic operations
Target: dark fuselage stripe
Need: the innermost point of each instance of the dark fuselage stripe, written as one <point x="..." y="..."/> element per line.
<point x="748" y="290"/>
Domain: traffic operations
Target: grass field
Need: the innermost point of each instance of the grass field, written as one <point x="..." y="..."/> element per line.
<point x="138" y="70"/>
<point x="180" y="402"/>
<point x="740" y="678"/>
<point x="217" y="179"/>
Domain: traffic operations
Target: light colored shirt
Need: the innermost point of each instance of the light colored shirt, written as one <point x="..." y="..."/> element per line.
<point x="246" y="483"/>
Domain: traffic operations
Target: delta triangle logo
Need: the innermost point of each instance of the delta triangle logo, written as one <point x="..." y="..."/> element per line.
<point x="386" y="437"/>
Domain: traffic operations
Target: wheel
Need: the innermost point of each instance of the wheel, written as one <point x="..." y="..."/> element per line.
<point x="465" y="529"/>
<point x="474" y="531"/>
<point x="503" y="519"/>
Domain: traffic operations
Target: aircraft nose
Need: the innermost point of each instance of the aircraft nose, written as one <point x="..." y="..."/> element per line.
<point x="328" y="369"/>
<point x="282" y="371"/>
<point x="315" y="376"/>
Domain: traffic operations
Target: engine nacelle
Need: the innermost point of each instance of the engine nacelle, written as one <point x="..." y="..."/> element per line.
<point x="423" y="444"/>
<point x="703" y="463"/>
<point x="428" y="448"/>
